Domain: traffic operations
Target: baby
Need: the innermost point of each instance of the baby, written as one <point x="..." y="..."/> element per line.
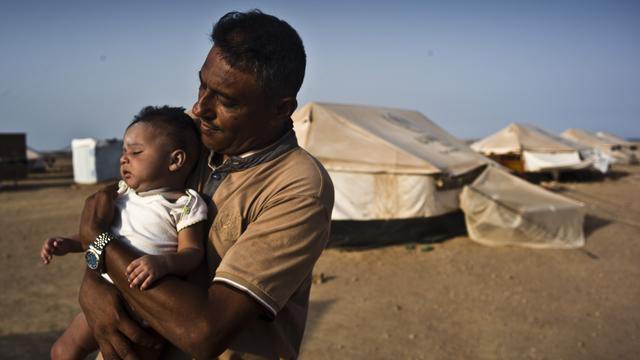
<point x="154" y="212"/>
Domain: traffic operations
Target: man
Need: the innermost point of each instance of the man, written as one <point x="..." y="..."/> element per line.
<point x="271" y="205"/>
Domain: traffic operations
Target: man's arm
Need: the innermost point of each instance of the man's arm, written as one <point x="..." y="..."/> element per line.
<point x="201" y="321"/>
<point x="112" y="327"/>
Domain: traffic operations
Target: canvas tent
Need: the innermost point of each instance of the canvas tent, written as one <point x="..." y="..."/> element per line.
<point x="526" y="148"/>
<point x="95" y="160"/>
<point x="615" y="139"/>
<point x="627" y="147"/>
<point x="35" y="160"/>
<point x="385" y="163"/>
<point x="608" y="148"/>
<point x="501" y="209"/>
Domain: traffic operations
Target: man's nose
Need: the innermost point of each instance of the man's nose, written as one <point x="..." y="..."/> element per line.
<point x="204" y="108"/>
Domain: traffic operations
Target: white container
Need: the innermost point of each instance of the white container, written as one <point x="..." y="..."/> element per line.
<point x="95" y="160"/>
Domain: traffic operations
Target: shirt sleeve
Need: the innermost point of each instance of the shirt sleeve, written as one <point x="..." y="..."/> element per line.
<point x="192" y="210"/>
<point x="277" y="251"/>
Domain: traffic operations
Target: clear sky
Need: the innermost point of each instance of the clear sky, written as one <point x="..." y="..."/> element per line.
<point x="72" y="69"/>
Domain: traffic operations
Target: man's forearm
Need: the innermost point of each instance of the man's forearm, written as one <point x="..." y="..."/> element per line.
<point x="175" y="308"/>
<point x="159" y="301"/>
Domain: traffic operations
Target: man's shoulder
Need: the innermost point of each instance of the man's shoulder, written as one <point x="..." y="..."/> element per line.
<point x="299" y="172"/>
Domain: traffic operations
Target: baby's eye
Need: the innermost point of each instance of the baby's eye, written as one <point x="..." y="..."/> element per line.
<point x="138" y="152"/>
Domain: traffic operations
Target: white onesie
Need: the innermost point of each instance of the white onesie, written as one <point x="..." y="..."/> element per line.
<point x="150" y="223"/>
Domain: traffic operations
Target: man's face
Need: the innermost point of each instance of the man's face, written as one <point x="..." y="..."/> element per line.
<point x="235" y="115"/>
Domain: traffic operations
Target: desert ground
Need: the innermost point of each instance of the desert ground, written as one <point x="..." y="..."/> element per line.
<point x="452" y="299"/>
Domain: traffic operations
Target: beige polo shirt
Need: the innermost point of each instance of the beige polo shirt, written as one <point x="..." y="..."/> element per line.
<point x="271" y="214"/>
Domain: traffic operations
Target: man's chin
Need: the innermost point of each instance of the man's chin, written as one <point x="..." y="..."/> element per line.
<point x="214" y="146"/>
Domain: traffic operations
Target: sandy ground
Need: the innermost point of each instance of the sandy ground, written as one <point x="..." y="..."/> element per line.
<point x="451" y="300"/>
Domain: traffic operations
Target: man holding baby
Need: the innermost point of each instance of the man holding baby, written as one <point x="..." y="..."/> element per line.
<point x="270" y="214"/>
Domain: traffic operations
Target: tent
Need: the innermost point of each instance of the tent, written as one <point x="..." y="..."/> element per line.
<point x="615" y="139"/>
<point x="627" y="147"/>
<point x="607" y="147"/>
<point x="386" y="163"/>
<point x="95" y="160"/>
<point x="526" y="148"/>
<point x="501" y="209"/>
<point x="35" y="160"/>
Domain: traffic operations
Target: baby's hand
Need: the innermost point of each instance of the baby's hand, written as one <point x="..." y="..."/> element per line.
<point x="56" y="246"/>
<point x="144" y="270"/>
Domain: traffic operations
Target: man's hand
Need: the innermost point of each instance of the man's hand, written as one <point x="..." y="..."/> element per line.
<point x="146" y="269"/>
<point x="112" y="327"/>
<point x="58" y="246"/>
<point x="97" y="214"/>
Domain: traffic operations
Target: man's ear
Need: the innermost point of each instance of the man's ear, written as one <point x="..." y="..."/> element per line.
<point x="178" y="159"/>
<point x="285" y="107"/>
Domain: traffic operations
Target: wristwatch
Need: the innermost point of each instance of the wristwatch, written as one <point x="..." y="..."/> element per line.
<point x="93" y="255"/>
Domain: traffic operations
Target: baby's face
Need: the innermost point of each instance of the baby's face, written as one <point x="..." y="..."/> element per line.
<point x="145" y="159"/>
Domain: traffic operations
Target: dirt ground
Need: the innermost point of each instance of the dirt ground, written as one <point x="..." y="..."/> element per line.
<point x="451" y="300"/>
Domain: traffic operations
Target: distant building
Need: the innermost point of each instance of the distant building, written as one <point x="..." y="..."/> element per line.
<point x="13" y="156"/>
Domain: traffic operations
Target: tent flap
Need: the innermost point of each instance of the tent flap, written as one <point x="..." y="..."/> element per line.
<point x="501" y="209"/>
<point x="537" y="161"/>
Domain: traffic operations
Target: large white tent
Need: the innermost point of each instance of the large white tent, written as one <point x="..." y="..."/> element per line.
<point x="385" y="163"/>
<point x="526" y="148"/>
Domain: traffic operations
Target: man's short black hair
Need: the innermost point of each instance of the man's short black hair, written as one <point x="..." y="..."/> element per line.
<point x="174" y="126"/>
<point x="265" y="45"/>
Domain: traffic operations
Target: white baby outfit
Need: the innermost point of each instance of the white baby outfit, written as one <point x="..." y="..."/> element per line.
<point x="150" y="223"/>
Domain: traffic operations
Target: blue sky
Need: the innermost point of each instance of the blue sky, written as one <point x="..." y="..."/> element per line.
<point x="73" y="69"/>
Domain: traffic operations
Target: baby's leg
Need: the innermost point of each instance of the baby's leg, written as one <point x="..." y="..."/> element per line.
<point x="76" y="342"/>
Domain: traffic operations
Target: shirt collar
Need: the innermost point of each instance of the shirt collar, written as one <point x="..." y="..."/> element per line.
<point x="251" y="158"/>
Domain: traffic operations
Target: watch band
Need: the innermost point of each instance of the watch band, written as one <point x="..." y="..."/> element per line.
<point x="94" y="255"/>
<point x="102" y="240"/>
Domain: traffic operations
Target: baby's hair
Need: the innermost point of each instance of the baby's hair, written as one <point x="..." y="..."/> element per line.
<point x="174" y="125"/>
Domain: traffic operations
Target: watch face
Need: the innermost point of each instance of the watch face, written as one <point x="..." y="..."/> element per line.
<point x="92" y="260"/>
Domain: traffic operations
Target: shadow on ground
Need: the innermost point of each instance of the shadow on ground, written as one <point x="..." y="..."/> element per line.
<point x="593" y="223"/>
<point x="30" y="346"/>
<point x="34" y="186"/>
<point x="575" y="176"/>
<point x="27" y="346"/>
<point x="353" y="235"/>
<point x="38" y="181"/>
<point x="317" y="309"/>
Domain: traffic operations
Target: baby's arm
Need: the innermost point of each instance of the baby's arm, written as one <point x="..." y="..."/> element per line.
<point x="146" y="269"/>
<point x="59" y="246"/>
